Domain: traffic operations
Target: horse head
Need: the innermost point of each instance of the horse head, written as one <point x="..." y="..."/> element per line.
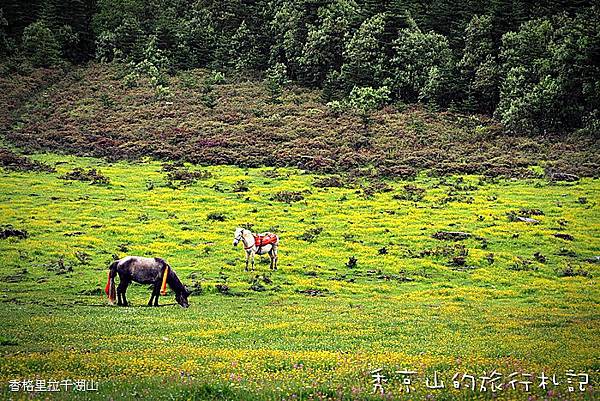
<point x="182" y="297"/>
<point x="237" y="236"/>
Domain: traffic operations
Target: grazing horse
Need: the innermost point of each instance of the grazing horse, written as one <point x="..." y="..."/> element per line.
<point x="257" y="244"/>
<point x="144" y="271"/>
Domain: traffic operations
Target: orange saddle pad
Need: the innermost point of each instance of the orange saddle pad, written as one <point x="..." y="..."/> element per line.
<point x="265" y="239"/>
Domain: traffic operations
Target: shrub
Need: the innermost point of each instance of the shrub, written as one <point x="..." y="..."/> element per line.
<point x="15" y="162"/>
<point x="93" y="176"/>
<point x="411" y="193"/>
<point x="40" y="45"/>
<point x="311" y="235"/>
<point x="240" y="186"/>
<point x="329" y="182"/>
<point x="569" y="271"/>
<point x="215" y="78"/>
<point x="216" y="216"/>
<point x="365" y="100"/>
<point x="288" y="196"/>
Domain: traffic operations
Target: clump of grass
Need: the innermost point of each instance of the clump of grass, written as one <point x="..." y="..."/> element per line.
<point x="9" y="231"/>
<point x="240" y="186"/>
<point x="334" y="181"/>
<point x="93" y="176"/>
<point x="311" y="234"/>
<point x="83" y="257"/>
<point x="178" y="173"/>
<point x="410" y="193"/>
<point x="12" y="161"/>
<point x="19" y="275"/>
<point x="216" y="216"/>
<point x="59" y="266"/>
<point x="223" y="289"/>
<point x="368" y="191"/>
<point x="567" y="252"/>
<point x="288" y="196"/>
<point x="352" y="262"/>
<point x="527" y="212"/>
<point x="522" y="264"/>
<point x="271" y="173"/>
<point x="569" y="271"/>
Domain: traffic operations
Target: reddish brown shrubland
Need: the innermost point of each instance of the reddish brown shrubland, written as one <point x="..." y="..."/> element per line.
<point x="98" y="115"/>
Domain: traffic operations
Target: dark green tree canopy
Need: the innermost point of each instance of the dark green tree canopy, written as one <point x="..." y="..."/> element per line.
<point x="534" y="66"/>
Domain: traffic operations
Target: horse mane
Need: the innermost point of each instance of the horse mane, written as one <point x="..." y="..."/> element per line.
<point x="174" y="282"/>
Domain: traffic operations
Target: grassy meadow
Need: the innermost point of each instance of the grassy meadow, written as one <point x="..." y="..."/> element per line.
<point x="362" y="283"/>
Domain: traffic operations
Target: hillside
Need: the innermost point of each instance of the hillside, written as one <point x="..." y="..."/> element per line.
<point x="92" y="111"/>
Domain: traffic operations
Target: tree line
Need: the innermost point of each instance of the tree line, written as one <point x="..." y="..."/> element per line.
<point x="535" y="66"/>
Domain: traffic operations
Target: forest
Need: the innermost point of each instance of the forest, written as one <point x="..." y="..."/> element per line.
<point x="534" y="67"/>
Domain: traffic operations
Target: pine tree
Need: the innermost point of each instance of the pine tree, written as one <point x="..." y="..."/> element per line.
<point x="365" y="55"/>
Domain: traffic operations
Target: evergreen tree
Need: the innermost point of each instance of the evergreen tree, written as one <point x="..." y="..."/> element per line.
<point x="40" y="46"/>
<point x="550" y="74"/>
<point x="365" y="62"/>
<point x="478" y="66"/>
<point x="324" y="46"/>
<point x="421" y="65"/>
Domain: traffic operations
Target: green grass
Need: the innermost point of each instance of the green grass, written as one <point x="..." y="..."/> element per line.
<point x="411" y="307"/>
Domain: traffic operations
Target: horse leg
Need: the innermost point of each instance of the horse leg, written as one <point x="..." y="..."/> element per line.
<point x="154" y="295"/>
<point x="120" y="287"/>
<point x="252" y="256"/>
<point x="272" y="258"/>
<point x="124" y="291"/>
<point x="247" y="260"/>
<point x="156" y="292"/>
<point x="119" y="302"/>
<point x="275" y="257"/>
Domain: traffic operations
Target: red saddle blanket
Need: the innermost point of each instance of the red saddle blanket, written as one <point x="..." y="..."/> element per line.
<point x="265" y="239"/>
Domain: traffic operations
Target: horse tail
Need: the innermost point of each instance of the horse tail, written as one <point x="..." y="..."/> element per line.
<point x="110" y="285"/>
<point x="167" y="270"/>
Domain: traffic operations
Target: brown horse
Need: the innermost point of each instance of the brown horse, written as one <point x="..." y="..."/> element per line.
<point x="144" y="271"/>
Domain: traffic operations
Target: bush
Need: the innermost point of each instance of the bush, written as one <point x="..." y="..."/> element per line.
<point x="288" y="196"/>
<point x="40" y="45"/>
<point x="329" y="182"/>
<point x="240" y="186"/>
<point x="311" y="234"/>
<point x="216" y="216"/>
<point x="365" y="100"/>
<point x="93" y="176"/>
<point x="215" y="78"/>
<point x="411" y="193"/>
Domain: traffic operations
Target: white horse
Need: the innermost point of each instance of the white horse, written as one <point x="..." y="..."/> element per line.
<point x="257" y="244"/>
